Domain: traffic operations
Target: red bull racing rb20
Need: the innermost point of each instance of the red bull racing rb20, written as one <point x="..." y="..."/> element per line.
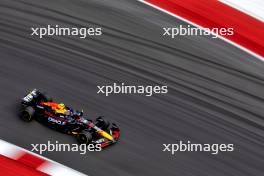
<point x="37" y="105"/>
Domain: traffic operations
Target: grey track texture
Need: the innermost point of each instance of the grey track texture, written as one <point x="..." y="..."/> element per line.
<point x="215" y="90"/>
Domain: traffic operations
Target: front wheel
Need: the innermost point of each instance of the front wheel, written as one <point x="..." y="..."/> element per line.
<point x="102" y="123"/>
<point x="84" y="137"/>
<point x="27" y="114"/>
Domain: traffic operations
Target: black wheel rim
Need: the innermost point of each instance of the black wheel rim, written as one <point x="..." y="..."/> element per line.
<point x="25" y="116"/>
<point x="82" y="139"/>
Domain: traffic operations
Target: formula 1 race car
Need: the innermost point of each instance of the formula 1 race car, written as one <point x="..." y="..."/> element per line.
<point x="37" y="105"/>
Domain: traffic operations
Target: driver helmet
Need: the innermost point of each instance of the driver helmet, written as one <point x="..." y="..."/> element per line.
<point x="61" y="106"/>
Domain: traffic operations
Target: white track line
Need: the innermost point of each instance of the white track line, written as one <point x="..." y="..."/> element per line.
<point x="254" y="8"/>
<point x="196" y="25"/>
<point x="49" y="167"/>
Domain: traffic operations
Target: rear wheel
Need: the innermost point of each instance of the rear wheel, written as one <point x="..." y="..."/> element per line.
<point x="27" y="114"/>
<point x="46" y="97"/>
<point x="84" y="137"/>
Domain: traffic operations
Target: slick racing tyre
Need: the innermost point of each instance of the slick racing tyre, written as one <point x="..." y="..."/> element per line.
<point x="84" y="137"/>
<point x="102" y="123"/>
<point x="46" y="97"/>
<point x="27" y="114"/>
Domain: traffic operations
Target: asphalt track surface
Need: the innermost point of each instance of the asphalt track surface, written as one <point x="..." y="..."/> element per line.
<point x="215" y="90"/>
